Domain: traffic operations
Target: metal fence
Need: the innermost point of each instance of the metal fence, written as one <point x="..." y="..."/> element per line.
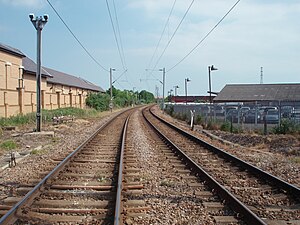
<point x="240" y="114"/>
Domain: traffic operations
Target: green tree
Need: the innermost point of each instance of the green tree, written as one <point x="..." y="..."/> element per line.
<point x="146" y="97"/>
<point x="98" y="101"/>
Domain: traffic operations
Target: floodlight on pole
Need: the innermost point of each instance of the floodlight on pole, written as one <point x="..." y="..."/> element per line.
<point x="210" y="68"/>
<point x="175" y="94"/>
<point x="38" y="23"/>
<point x="186" y="81"/>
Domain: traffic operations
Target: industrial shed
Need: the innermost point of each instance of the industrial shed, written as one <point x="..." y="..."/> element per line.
<point x="266" y="94"/>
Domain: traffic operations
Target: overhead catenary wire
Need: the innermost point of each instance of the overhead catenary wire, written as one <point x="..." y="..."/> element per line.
<point x="167" y="22"/>
<point x="119" y="33"/>
<point x="120" y="76"/>
<point x="201" y="41"/>
<point x="163" y="52"/>
<point x="79" y="42"/>
<point x="115" y="35"/>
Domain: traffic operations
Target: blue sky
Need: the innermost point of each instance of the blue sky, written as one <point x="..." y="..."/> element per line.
<point x="257" y="33"/>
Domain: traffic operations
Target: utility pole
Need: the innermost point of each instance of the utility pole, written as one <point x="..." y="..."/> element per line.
<point x="175" y="88"/>
<point x="186" y="80"/>
<point x="164" y="82"/>
<point x="111" y="95"/>
<point x="156" y="91"/>
<point x="261" y="75"/>
<point x="38" y="23"/>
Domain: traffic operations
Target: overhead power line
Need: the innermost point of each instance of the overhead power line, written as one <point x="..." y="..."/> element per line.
<point x="188" y="9"/>
<point x="119" y="33"/>
<point x="79" y="42"/>
<point x="201" y="41"/>
<point x="167" y="22"/>
<point x="115" y="35"/>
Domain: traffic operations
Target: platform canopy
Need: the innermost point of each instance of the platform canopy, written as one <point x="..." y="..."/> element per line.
<point x="259" y="92"/>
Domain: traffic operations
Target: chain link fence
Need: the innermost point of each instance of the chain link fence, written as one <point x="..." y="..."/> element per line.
<point x="240" y="115"/>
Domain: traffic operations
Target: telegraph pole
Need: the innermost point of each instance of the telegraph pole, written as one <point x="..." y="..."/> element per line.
<point x="111" y="94"/>
<point x="38" y="23"/>
<point x="164" y="79"/>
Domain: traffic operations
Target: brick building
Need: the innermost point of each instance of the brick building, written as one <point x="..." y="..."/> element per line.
<point x="18" y="85"/>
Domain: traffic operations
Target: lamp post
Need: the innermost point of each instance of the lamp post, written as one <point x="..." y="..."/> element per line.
<point x="210" y="68"/>
<point x="175" y="90"/>
<point x="111" y="96"/>
<point x="186" y="81"/>
<point x="38" y="23"/>
<point x="164" y="78"/>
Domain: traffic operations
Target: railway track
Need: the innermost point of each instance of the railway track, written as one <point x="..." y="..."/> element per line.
<point x="269" y="199"/>
<point x="86" y="187"/>
<point x="104" y="181"/>
<point x="188" y="191"/>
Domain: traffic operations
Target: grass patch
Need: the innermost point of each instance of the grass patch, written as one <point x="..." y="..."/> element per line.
<point x="101" y="179"/>
<point x="167" y="183"/>
<point x="38" y="152"/>
<point x="47" y="116"/>
<point x="8" y="145"/>
<point x="295" y="160"/>
<point x="55" y="139"/>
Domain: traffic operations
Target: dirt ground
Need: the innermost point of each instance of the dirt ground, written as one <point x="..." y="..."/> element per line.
<point x="284" y="144"/>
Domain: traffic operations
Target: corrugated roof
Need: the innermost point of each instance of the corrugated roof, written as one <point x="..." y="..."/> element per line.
<point x="11" y="50"/>
<point x="259" y="92"/>
<point x="66" y="79"/>
<point x="30" y="67"/>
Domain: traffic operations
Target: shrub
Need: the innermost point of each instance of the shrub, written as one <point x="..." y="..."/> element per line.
<point x="225" y="127"/>
<point x="287" y="127"/>
<point x="198" y="120"/>
<point x="98" y="101"/>
<point x="170" y="110"/>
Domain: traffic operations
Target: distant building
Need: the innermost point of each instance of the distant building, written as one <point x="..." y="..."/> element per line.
<point x="18" y="85"/>
<point x="191" y="99"/>
<point x="265" y="94"/>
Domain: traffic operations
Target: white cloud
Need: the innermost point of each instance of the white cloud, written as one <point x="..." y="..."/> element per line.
<point x="24" y="3"/>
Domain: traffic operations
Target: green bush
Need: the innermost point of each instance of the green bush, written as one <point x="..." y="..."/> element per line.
<point x="287" y="127"/>
<point x="98" y="101"/>
<point x="198" y="120"/>
<point x="225" y="127"/>
<point x="170" y="110"/>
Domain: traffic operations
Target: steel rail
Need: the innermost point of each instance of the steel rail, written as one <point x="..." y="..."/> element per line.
<point x="290" y="188"/>
<point x="235" y="204"/>
<point x="118" y="210"/>
<point x="9" y="217"/>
